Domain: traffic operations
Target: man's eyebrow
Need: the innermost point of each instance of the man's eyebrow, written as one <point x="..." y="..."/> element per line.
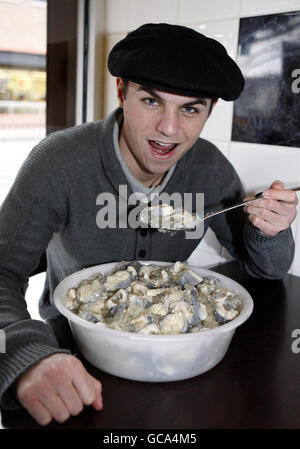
<point x="154" y="94"/>
<point x="150" y="91"/>
<point x="198" y="101"/>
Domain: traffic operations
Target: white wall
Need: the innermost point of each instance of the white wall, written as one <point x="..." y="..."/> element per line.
<point x="257" y="164"/>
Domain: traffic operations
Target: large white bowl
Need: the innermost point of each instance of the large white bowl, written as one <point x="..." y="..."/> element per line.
<point x="150" y="358"/>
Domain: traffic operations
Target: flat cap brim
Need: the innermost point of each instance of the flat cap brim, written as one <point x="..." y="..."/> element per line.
<point x="176" y="59"/>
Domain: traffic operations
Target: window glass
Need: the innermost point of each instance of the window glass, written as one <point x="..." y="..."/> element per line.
<point x="23" y="31"/>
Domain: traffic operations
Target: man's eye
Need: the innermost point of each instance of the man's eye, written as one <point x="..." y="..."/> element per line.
<point x="190" y="110"/>
<point x="150" y="101"/>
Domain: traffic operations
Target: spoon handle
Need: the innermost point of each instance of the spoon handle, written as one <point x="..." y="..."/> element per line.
<point x="257" y="197"/>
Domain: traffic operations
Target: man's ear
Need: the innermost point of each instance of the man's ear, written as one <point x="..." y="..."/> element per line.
<point x="120" y="91"/>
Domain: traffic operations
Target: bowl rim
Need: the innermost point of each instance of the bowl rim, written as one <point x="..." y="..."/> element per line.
<point x="86" y="273"/>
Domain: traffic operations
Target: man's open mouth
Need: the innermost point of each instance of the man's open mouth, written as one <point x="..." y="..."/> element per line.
<point x="162" y="147"/>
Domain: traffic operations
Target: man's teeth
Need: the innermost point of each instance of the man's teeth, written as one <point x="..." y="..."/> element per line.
<point x="163" y="144"/>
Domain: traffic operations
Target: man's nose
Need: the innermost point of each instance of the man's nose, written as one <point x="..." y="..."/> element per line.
<point x="168" y="123"/>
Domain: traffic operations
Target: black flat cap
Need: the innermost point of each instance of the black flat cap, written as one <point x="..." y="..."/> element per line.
<point x="176" y="59"/>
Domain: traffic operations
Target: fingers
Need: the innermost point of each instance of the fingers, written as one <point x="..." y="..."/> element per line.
<point x="70" y="398"/>
<point x="58" y="387"/>
<point x="98" y="402"/>
<point x="37" y="410"/>
<point x="275" y="212"/>
<point x="286" y="196"/>
<point x="42" y="402"/>
<point x="271" y="216"/>
<point x="54" y="404"/>
<point x="269" y="208"/>
<point x="88" y="388"/>
<point x="266" y="227"/>
<point x="279" y="193"/>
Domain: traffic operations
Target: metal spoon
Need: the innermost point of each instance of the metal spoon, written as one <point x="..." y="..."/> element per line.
<point x="150" y="211"/>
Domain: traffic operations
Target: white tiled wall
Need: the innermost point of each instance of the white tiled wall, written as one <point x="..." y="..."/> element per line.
<point x="190" y="11"/>
<point x="258" y="165"/>
<point x="151" y="11"/>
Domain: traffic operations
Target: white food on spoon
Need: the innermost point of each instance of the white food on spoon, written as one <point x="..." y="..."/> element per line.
<point x="165" y="217"/>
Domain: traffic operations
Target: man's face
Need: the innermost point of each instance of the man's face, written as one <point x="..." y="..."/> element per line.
<point x="158" y="129"/>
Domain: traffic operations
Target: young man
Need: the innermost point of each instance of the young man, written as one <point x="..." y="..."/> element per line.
<point x="168" y="80"/>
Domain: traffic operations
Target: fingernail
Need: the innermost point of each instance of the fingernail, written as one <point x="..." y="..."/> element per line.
<point x="98" y="404"/>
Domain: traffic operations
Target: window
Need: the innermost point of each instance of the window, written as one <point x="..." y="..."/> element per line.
<point x="34" y="101"/>
<point x="23" y="43"/>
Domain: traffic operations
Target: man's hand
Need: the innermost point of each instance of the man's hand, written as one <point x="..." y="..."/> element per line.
<point x="274" y="213"/>
<point x="56" y="387"/>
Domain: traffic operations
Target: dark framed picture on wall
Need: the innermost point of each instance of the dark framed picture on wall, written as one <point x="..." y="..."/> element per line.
<point x="269" y="56"/>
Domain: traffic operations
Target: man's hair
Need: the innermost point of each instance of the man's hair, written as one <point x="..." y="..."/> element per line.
<point x="125" y="88"/>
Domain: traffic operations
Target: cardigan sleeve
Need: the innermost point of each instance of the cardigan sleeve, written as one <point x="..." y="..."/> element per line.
<point x="33" y="210"/>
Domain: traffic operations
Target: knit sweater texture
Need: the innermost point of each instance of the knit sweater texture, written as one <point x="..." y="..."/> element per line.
<point x="53" y="206"/>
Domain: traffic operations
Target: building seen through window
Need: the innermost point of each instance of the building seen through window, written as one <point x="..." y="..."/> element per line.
<point x="23" y="36"/>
